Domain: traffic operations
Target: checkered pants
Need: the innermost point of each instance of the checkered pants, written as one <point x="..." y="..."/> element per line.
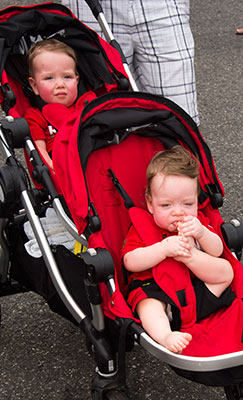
<point x="157" y="41"/>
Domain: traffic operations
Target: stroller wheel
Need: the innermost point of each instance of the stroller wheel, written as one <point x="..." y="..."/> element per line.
<point x="115" y="395"/>
<point x="234" y="392"/>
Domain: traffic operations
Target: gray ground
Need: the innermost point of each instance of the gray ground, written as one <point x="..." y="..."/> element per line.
<point x="42" y="355"/>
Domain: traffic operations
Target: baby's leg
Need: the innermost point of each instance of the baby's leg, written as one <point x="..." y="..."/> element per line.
<point x="217" y="287"/>
<point x="215" y="272"/>
<point x="155" y="322"/>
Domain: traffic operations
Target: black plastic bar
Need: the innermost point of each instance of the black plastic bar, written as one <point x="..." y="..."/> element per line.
<point x="95" y="7"/>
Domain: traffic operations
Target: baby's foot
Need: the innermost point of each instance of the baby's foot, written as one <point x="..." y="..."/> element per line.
<point x="177" y="341"/>
<point x="191" y="247"/>
<point x="191" y="241"/>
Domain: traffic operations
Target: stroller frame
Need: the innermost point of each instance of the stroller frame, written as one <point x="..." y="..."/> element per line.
<point x="15" y="134"/>
<point x="106" y="377"/>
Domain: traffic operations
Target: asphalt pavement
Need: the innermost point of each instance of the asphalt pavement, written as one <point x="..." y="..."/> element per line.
<point x="42" y="355"/>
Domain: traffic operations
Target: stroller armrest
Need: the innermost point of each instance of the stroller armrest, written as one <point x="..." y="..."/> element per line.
<point x="233" y="235"/>
<point x="100" y="265"/>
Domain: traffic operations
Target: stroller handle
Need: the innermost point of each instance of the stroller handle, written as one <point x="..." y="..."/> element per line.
<point x="97" y="11"/>
<point x="95" y="7"/>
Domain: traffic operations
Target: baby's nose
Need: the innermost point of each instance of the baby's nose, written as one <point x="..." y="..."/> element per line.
<point x="178" y="211"/>
<point x="60" y="82"/>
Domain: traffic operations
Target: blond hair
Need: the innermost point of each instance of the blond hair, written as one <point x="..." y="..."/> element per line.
<point x="175" y="161"/>
<point x="49" y="45"/>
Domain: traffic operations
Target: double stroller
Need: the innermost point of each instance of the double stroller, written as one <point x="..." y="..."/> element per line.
<point x="100" y="160"/>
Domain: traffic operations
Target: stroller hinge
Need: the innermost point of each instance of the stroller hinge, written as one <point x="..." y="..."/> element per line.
<point x="9" y="98"/>
<point x="215" y="195"/>
<point x="100" y="267"/>
<point x="94" y="223"/>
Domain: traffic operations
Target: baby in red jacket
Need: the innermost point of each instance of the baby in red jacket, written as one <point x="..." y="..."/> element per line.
<point x="53" y="77"/>
<point x="172" y="199"/>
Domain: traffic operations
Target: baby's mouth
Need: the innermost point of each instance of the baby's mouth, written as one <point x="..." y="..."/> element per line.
<point x="177" y="224"/>
<point x="62" y="94"/>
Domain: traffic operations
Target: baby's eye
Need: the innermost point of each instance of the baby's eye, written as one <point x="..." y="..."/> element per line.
<point x="165" y="205"/>
<point x="47" y="78"/>
<point x="188" y="204"/>
<point x="68" y="77"/>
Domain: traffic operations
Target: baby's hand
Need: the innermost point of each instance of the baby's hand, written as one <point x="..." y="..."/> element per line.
<point x="175" y="246"/>
<point x="190" y="227"/>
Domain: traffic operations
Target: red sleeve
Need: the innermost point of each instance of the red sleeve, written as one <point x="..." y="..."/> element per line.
<point x="37" y="124"/>
<point x="132" y="241"/>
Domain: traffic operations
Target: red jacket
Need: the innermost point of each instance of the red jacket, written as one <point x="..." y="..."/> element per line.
<point x="172" y="276"/>
<point x="217" y="334"/>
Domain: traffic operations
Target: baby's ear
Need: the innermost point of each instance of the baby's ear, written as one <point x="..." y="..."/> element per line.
<point x="32" y="83"/>
<point x="149" y="203"/>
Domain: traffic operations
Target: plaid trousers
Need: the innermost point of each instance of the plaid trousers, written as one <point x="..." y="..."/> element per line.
<point x="156" y="38"/>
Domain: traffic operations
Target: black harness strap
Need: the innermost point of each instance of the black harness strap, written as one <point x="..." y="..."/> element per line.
<point x="181" y="294"/>
<point x="128" y="201"/>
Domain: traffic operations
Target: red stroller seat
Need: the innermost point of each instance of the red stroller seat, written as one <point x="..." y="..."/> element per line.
<point x="121" y="132"/>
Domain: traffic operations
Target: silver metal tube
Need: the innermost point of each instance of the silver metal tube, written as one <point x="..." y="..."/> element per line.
<point x="98" y="317"/>
<point x="131" y="78"/>
<point x="29" y="146"/>
<point x="111" y="286"/>
<point x="68" y="223"/>
<point x="3" y="145"/>
<point x="105" y="28"/>
<point x="202" y="364"/>
<point x="4" y="253"/>
<point x="49" y="259"/>
<point x="109" y="37"/>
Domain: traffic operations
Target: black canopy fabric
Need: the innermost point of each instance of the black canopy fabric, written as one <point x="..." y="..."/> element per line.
<point x="20" y="27"/>
<point x="111" y="125"/>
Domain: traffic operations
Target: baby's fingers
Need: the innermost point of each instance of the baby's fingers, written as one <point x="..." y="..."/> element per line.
<point x="184" y="253"/>
<point x="183" y="240"/>
<point x="184" y="250"/>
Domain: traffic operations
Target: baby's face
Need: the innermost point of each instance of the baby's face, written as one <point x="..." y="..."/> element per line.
<point x="172" y="198"/>
<point x="55" y="79"/>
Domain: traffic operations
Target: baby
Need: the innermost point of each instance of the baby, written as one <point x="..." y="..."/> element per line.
<point x="172" y="199"/>
<point x="54" y="78"/>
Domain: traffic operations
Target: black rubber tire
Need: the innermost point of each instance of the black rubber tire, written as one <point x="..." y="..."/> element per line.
<point x="110" y="395"/>
<point x="234" y="392"/>
<point x="94" y="395"/>
<point x="116" y="395"/>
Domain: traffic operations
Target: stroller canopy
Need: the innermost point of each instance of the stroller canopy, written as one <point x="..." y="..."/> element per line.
<point x="99" y="65"/>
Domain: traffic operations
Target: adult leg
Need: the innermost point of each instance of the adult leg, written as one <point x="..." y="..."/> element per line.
<point x="157" y="42"/>
<point x="117" y="14"/>
<point x="164" y="51"/>
<point x="82" y="11"/>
